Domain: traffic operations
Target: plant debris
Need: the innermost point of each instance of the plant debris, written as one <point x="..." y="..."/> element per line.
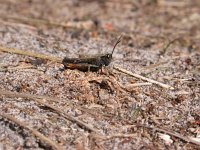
<point x="151" y="101"/>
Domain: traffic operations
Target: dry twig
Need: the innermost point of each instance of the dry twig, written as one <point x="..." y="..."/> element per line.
<point x="171" y="3"/>
<point x="119" y="136"/>
<point x="57" y="110"/>
<point x="175" y="134"/>
<point x="37" y="22"/>
<point x="138" y="84"/>
<point x="143" y="78"/>
<point x="168" y="45"/>
<point x="33" y="131"/>
<point x="29" y="53"/>
<point x="16" y="68"/>
<point x="29" y="96"/>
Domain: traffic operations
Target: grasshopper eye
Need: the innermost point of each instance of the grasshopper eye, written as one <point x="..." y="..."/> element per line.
<point x="108" y="55"/>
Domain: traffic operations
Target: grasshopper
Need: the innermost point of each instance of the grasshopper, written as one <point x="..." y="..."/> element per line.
<point x="91" y="63"/>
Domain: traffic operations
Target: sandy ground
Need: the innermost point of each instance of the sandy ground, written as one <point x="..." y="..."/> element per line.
<point x="43" y="106"/>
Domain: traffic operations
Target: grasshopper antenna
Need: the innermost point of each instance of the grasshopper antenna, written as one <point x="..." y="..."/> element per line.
<point x="118" y="41"/>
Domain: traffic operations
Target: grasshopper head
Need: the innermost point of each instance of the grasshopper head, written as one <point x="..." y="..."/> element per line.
<point x="106" y="59"/>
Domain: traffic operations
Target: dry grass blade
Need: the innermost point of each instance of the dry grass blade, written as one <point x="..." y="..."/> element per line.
<point x="175" y="134"/>
<point x="29" y="96"/>
<point x="37" y="22"/>
<point x="168" y="45"/>
<point x="171" y="3"/>
<point x="16" y="68"/>
<point x="33" y="131"/>
<point x="71" y="118"/>
<point x="57" y="110"/>
<point x="139" y="84"/>
<point x="119" y="136"/>
<point x="143" y="78"/>
<point x="29" y="53"/>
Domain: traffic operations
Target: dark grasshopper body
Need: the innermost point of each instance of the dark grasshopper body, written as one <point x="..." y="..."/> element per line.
<point x="89" y="64"/>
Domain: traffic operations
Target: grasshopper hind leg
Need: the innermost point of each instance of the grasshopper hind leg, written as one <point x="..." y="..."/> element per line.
<point x="92" y="68"/>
